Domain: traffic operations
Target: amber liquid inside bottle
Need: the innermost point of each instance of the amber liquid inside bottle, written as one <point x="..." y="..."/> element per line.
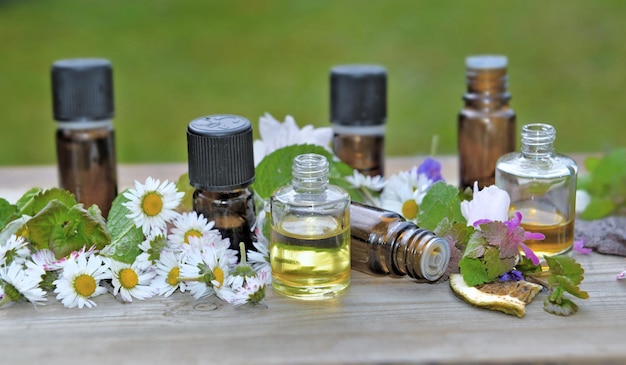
<point x="364" y="153"/>
<point x="87" y="165"/>
<point x="557" y="229"/>
<point x="486" y="127"/>
<point x="232" y="212"/>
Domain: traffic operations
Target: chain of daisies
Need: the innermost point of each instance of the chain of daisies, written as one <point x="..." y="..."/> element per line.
<point x="181" y="252"/>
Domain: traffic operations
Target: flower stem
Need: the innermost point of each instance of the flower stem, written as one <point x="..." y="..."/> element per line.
<point x="368" y="195"/>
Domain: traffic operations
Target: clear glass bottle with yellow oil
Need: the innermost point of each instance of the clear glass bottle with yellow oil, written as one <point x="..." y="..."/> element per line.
<point x="542" y="186"/>
<point x="310" y="233"/>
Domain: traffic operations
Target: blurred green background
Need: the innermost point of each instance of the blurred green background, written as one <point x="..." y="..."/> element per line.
<point x="177" y="60"/>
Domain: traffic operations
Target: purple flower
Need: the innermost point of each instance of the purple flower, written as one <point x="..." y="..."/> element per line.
<point x="513" y="226"/>
<point x="509" y="236"/>
<point x="513" y="275"/>
<point x="579" y="246"/>
<point x="431" y="168"/>
<point x="621" y="275"/>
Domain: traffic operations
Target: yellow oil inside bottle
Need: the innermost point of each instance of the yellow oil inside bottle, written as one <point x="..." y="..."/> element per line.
<point x="310" y="257"/>
<point x="559" y="230"/>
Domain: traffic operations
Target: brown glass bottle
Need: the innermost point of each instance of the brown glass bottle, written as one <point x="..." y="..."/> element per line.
<point x="486" y="125"/>
<point x="82" y="91"/>
<point x="383" y="243"/>
<point x="221" y="169"/>
<point x="358" y="113"/>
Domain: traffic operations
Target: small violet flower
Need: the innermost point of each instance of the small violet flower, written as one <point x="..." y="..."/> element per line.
<point x="579" y="246"/>
<point x="621" y="275"/>
<point x="491" y="204"/>
<point x="513" y="275"/>
<point x="431" y="168"/>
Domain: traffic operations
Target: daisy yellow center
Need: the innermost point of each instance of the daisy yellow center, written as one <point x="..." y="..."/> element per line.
<point x="192" y="233"/>
<point x="219" y="276"/>
<point x="410" y="209"/>
<point x="85" y="285"/>
<point x="152" y="204"/>
<point x="128" y="278"/>
<point x="172" y="276"/>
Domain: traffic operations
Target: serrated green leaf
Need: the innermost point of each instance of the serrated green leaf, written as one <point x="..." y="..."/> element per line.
<point x="8" y="213"/>
<point x="495" y="265"/>
<point x="27" y="198"/>
<point x="274" y="171"/>
<point x="475" y="246"/>
<point x="568" y="285"/>
<point x="63" y="229"/>
<point x="459" y="233"/>
<point x="41" y="200"/>
<point x="565" y="266"/>
<point x="441" y="201"/>
<point x="473" y="271"/>
<point x="125" y="236"/>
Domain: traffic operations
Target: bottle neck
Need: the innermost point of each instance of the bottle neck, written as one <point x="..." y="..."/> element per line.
<point x="310" y="173"/>
<point x="487" y="88"/>
<point x="418" y="253"/>
<point x="538" y="141"/>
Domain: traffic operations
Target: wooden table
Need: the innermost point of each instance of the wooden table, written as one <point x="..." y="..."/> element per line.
<point x="379" y="320"/>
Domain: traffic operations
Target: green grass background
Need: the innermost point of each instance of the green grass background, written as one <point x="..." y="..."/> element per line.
<point x="178" y="60"/>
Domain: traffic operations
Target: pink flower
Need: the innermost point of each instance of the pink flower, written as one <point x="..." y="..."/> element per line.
<point x="579" y="246"/>
<point x="509" y="236"/>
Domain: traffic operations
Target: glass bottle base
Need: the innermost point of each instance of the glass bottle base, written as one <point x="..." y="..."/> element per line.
<point x="314" y="292"/>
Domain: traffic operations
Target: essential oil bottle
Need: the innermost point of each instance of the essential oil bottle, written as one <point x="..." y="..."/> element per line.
<point x="358" y="113"/>
<point x="486" y="125"/>
<point x="542" y="186"/>
<point x="82" y="101"/>
<point x="383" y="243"/>
<point x="221" y="169"/>
<point x="310" y="233"/>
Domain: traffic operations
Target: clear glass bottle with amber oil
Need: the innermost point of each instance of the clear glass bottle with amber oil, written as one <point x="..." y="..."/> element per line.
<point x="221" y="169"/>
<point x="358" y="113"/>
<point x="486" y="125"/>
<point x="82" y="100"/>
<point x="542" y="186"/>
<point x="310" y="233"/>
<point x="383" y="243"/>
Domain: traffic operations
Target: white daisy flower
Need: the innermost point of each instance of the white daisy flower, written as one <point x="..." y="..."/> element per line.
<point x="14" y="250"/>
<point x="130" y="281"/>
<point x="204" y="271"/>
<point x="358" y="181"/>
<point x="20" y="284"/>
<point x="260" y="259"/>
<point x="168" y="271"/>
<point x="80" y="280"/>
<point x="243" y="290"/>
<point x="275" y="135"/>
<point x="45" y="259"/>
<point x="404" y="193"/>
<point x="188" y="226"/>
<point x="213" y="243"/>
<point x="152" y="204"/>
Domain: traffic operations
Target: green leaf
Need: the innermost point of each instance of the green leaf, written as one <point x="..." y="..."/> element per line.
<point x="441" y="201"/>
<point x="473" y="271"/>
<point x="598" y="208"/>
<point x="495" y="265"/>
<point x="63" y="229"/>
<point x="125" y="236"/>
<point x="27" y="198"/>
<point x="183" y="185"/>
<point x="565" y="308"/>
<point x="8" y="213"/>
<point x="566" y="266"/>
<point x="41" y="200"/>
<point x="475" y="246"/>
<point x="526" y="266"/>
<point x="274" y="171"/>
<point x="459" y="233"/>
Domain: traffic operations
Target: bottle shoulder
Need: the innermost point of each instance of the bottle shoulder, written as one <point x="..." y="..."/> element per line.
<point x="331" y="195"/>
<point x="555" y="165"/>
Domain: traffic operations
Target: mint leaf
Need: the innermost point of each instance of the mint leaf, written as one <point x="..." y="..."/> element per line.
<point x="63" y="229"/>
<point x="457" y="233"/>
<point x="494" y="265"/>
<point x="41" y="200"/>
<point x="441" y="201"/>
<point x="274" y="171"/>
<point x="8" y="213"/>
<point x="183" y="185"/>
<point x="473" y="271"/>
<point x="27" y="198"/>
<point x="475" y="246"/>
<point x="565" y="276"/>
<point x="125" y="236"/>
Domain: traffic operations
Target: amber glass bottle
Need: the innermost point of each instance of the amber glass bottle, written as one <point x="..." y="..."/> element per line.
<point x="383" y="243"/>
<point x="221" y="169"/>
<point x="82" y="95"/>
<point x="358" y="113"/>
<point x="486" y="125"/>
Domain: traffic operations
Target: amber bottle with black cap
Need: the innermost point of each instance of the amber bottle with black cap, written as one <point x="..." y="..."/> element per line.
<point x="358" y="113"/>
<point x="221" y="169"/>
<point x="82" y="101"/>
